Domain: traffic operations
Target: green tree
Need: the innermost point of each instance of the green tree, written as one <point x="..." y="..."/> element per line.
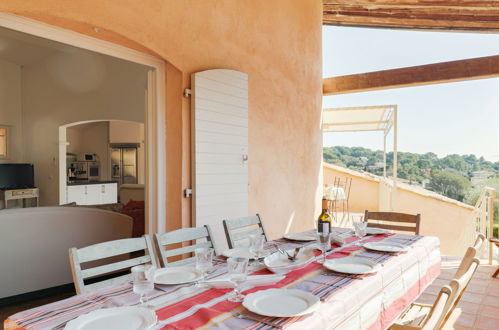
<point x="449" y="184"/>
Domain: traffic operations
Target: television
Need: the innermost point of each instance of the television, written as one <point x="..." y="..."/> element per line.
<point x="17" y="176"/>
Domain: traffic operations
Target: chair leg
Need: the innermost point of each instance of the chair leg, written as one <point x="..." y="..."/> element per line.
<point x="496" y="273"/>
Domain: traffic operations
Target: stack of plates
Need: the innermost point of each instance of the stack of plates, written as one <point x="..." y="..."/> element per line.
<point x="281" y="302"/>
<point x="385" y="246"/>
<point x="243" y="252"/>
<point x="305" y="237"/>
<point x="352" y="265"/>
<point x="177" y="275"/>
<point x="280" y="264"/>
<point x="119" y="318"/>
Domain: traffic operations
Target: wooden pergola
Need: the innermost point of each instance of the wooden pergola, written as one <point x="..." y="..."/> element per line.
<point x="437" y="15"/>
<point x="446" y="15"/>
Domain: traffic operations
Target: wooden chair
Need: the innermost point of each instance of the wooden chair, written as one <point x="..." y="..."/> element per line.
<point x="238" y="230"/>
<point x="479" y="241"/>
<point x="394" y="221"/>
<point x="496" y="242"/>
<point x="424" y="316"/>
<point x="120" y="249"/>
<point x="344" y="183"/>
<point x="179" y="236"/>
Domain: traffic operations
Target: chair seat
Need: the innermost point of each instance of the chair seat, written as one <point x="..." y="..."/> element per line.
<point x="413" y="317"/>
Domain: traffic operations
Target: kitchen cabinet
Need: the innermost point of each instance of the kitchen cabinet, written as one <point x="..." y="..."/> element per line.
<point x="92" y="194"/>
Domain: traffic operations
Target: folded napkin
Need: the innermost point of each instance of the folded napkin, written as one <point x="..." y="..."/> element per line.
<point x="252" y="280"/>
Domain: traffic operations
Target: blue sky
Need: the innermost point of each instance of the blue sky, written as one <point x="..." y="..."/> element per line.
<point x="460" y="117"/>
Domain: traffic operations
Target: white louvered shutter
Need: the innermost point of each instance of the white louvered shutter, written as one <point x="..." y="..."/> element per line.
<point x="220" y="148"/>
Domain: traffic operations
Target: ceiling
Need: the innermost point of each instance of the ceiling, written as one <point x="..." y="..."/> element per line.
<point x="446" y="15"/>
<point x="24" y="49"/>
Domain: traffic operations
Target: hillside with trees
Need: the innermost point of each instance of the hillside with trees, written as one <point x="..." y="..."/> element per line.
<point x="456" y="176"/>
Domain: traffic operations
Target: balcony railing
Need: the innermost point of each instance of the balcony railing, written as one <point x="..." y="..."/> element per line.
<point x="484" y="214"/>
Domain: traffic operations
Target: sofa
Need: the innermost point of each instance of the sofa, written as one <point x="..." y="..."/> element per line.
<point x="34" y="243"/>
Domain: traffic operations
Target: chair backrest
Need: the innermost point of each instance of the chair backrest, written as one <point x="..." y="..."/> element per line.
<point x="122" y="249"/>
<point x="238" y="230"/>
<point x="436" y="317"/>
<point x="345" y="183"/>
<point x="479" y="241"/>
<point x="393" y="221"/>
<point x="463" y="276"/>
<point x="451" y="294"/>
<point x="179" y="236"/>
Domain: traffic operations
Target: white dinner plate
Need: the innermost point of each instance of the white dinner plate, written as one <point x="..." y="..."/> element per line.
<point x="281" y="302"/>
<point x="243" y="253"/>
<point x="352" y="265"/>
<point x="384" y="246"/>
<point x="177" y="275"/>
<point x="119" y="318"/>
<point x="306" y="237"/>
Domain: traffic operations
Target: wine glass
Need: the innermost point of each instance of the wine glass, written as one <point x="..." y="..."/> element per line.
<point x="324" y="242"/>
<point x="204" y="260"/>
<point x="257" y="246"/>
<point x="143" y="281"/>
<point x="238" y="268"/>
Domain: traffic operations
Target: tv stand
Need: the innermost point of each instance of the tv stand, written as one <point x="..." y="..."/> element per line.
<point x="23" y="194"/>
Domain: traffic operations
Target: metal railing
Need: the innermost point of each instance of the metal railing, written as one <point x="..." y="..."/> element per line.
<point x="484" y="216"/>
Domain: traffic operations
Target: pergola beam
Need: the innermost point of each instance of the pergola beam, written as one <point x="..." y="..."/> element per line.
<point x="468" y="15"/>
<point x="476" y="68"/>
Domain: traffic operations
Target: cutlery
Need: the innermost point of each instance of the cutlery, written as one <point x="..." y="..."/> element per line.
<point x="297" y="250"/>
<point x="257" y="319"/>
<point x="283" y="252"/>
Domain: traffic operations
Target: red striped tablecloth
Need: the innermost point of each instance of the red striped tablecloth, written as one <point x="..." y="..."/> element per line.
<point x="346" y="303"/>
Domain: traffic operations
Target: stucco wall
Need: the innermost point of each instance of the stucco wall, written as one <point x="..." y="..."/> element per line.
<point x="447" y="219"/>
<point x="278" y="43"/>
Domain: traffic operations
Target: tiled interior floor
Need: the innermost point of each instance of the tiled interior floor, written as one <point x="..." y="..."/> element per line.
<point x="479" y="306"/>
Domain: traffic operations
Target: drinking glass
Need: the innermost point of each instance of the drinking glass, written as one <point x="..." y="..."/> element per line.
<point x="324" y="242"/>
<point x="143" y="281"/>
<point x="257" y="246"/>
<point x="238" y="268"/>
<point x="360" y="227"/>
<point x="204" y="260"/>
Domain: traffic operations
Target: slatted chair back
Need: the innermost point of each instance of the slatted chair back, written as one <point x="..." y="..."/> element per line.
<point x="238" y="230"/>
<point x="394" y="221"/>
<point x="122" y="249"/>
<point x="463" y="276"/>
<point x="199" y="237"/>
<point x="436" y="316"/>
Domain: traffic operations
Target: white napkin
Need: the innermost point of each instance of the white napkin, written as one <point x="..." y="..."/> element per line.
<point x="252" y="280"/>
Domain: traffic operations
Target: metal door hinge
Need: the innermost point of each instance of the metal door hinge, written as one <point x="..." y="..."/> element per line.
<point x="187" y="193"/>
<point x="187" y="93"/>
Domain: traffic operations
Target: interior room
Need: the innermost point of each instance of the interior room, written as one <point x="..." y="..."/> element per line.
<point x="73" y="154"/>
<point x="48" y="87"/>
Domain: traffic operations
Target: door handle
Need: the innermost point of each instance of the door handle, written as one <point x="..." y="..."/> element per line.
<point x="245" y="158"/>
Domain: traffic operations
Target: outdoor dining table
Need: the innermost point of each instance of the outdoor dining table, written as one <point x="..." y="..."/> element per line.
<point x="369" y="302"/>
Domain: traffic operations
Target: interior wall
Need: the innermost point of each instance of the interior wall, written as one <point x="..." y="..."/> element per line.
<point x="278" y="43"/>
<point x="69" y="87"/>
<point x="10" y="110"/>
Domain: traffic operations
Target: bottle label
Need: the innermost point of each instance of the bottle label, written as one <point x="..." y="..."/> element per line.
<point x="324" y="228"/>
